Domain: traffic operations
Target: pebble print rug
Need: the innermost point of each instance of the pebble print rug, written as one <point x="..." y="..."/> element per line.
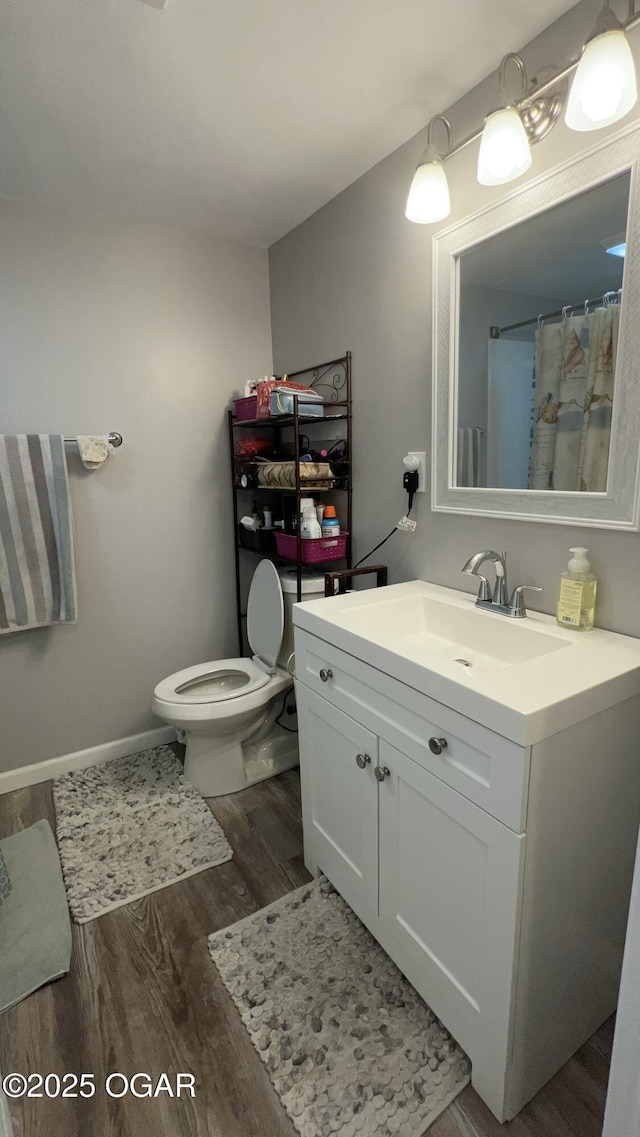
<point x="130" y="827"/>
<point x="349" y="1044"/>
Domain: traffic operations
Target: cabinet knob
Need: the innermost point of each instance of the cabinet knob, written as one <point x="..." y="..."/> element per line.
<point x="362" y="760"/>
<point x="326" y="674"/>
<point x="437" y="745"/>
<point x="382" y="772"/>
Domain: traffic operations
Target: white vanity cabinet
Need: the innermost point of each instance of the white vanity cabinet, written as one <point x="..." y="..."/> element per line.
<point x="496" y="875"/>
<point x="449" y="877"/>
<point x="342" y="796"/>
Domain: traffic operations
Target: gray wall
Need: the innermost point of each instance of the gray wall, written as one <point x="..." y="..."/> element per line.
<point x="148" y="332"/>
<point x="357" y="275"/>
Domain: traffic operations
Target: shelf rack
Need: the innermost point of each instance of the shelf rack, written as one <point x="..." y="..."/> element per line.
<point x="333" y="381"/>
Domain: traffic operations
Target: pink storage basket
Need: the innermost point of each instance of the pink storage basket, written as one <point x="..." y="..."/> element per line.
<point x="314" y="549"/>
<point x="246" y="408"/>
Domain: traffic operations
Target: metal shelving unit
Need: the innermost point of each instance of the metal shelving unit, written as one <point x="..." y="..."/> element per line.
<point x="333" y="381"/>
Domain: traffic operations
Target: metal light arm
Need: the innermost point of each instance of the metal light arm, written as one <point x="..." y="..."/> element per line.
<point x="538" y="90"/>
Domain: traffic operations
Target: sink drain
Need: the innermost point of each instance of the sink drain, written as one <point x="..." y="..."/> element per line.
<point x="464" y="662"/>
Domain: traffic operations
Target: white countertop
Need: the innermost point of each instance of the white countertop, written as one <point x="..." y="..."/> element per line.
<point x="523" y="701"/>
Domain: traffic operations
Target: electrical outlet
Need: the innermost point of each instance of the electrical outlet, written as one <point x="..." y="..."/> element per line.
<point x="421" y="455"/>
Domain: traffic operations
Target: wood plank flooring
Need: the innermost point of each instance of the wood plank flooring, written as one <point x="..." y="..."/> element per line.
<point x="143" y="995"/>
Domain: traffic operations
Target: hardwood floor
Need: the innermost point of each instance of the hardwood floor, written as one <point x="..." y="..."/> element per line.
<point x="143" y="995"/>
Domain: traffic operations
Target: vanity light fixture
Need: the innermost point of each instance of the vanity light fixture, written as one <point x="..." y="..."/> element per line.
<point x="603" y="91"/>
<point x="604" y="87"/>
<point x="509" y="125"/>
<point x="429" y="199"/>
<point x="505" y="153"/>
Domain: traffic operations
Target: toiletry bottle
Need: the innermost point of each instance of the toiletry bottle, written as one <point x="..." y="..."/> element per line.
<point x="330" y="523"/>
<point x="310" y="528"/>
<point x="319" y="511"/>
<point x="268" y="516"/>
<point x="577" y="598"/>
<point x="255" y="513"/>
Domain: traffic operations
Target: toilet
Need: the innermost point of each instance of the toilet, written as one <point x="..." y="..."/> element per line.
<point x="228" y="708"/>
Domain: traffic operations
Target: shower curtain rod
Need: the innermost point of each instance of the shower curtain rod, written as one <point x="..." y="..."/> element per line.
<point x="495" y="332"/>
<point x="114" y="438"/>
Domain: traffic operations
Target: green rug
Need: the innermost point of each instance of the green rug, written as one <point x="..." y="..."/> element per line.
<point x="6" y="1126"/>
<point x="35" y="931"/>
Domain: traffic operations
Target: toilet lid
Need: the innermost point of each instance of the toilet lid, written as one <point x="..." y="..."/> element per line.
<point x="265" y="614"/>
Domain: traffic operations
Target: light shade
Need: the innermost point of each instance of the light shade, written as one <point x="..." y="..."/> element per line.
<point x="504" y="148"/>
<point x="428" y="199"/>
<point x="604" y="87"/>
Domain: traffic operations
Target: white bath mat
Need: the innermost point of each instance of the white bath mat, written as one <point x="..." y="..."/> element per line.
<point x="130" y="827"/>
<point x="349" y="1044"/>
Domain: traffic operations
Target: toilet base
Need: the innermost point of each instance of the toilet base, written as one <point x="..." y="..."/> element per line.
<point x="218" y="766"/>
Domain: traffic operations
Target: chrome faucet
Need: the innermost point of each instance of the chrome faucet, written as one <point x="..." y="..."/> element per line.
<point x="497" y="600"/>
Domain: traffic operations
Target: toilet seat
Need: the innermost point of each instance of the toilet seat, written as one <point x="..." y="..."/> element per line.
<point x="224" y="680"/>
<point x="215" y="682"/>
<point x="222" y="689"/>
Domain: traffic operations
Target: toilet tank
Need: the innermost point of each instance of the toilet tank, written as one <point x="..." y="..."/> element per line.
<point x="312" y="589"/>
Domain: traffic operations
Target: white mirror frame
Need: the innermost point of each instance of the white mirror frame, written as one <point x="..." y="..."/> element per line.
<point x="619" y="507"/>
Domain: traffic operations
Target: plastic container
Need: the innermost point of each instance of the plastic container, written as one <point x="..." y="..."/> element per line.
<point x="246" y="408"/>
<point x="260" y="540"/>
<point x="309" y="527"/>
<point x="330" y="523"/>
<point x="251" y="445"/>
<point x="313" y="551"/>
<point x="309" y="403"/>
<point x="282" y="475"/>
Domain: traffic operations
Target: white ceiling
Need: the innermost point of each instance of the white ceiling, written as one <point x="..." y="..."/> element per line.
<point x="558" y="253"/>
<point x="239" y="117"/>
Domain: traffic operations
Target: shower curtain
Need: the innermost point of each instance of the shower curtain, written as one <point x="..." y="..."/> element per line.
<point x="574" y="375"/>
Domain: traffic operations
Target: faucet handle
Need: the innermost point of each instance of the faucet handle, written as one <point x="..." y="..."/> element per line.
<point x="516" y="603"/>
<point x="484" y="592"/>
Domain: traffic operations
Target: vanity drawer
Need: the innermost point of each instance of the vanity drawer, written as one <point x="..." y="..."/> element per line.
<point x="487" y="768"/>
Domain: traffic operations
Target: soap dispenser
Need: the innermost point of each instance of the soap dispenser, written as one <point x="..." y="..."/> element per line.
<point x="577" y="597"/>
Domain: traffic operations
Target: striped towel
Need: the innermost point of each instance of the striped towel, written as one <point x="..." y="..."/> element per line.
<point x="37" y="570"/>
<point x="468" y="455"/>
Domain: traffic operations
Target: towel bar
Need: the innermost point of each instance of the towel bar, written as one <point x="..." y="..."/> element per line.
<point x="114" y="438"/>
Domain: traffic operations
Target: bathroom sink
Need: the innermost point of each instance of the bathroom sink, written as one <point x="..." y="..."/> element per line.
<point x="468" y="637"/>
<point x="522" y="678"/>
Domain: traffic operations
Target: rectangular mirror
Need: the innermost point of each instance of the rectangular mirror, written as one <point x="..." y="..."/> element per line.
<point x="536" y="393"/>
<point x="537" y="343"/>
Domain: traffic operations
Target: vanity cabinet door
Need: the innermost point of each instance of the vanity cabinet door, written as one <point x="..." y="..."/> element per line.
<point x="339" y="800"/>
<point x="449" y="902"/>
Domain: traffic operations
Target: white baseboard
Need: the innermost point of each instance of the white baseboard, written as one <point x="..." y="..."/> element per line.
<point x="82" y="759"/>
